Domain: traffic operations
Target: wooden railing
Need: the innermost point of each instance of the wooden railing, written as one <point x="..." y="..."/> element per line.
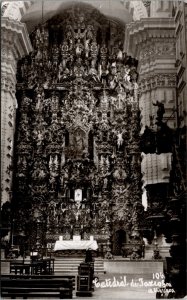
<point x="33" y="267"/>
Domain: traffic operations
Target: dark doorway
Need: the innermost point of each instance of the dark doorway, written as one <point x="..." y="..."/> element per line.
<point x="119" y="239"/>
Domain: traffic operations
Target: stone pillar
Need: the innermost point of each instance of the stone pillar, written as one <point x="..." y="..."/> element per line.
<point x="180" y="17"/>
<point x="15" y="44"/>
<point x="152" y="42"/>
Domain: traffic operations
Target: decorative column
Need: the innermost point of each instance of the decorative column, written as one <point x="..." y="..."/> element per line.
<point x="176" y="210"/>
<point x="152" y="42"/>
<point x="15" y="44"/>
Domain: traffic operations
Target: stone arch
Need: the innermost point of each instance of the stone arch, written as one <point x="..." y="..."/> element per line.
<point x="134" y="10"/>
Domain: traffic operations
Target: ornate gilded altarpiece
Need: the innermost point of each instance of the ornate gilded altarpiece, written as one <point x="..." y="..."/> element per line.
<point x="77" y="156"/>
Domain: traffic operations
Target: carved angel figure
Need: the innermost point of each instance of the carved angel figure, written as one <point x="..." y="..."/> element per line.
<point x="127" y="75"/>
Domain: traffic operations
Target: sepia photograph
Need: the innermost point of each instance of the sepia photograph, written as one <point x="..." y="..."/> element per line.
<point x="93" y="149"/>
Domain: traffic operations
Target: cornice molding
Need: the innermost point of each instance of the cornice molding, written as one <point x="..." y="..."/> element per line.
<point x="15" y="9"/>
<point x="16" y="35"/>
<point x="146" y="29"/>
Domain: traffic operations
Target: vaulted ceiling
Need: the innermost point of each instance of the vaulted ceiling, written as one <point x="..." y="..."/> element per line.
<point x="44" y="10"/>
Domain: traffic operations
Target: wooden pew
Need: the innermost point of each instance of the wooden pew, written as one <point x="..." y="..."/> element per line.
<point x="27" y="276"/>
<point x="43" y="286"/>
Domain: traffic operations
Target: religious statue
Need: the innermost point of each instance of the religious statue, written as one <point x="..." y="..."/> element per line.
<point x="79" y="140"/>
<point x="40" y="138"/>
<point x="119" y="176"/>
<point x="87" y="48"/>
<point x="160" y="111"/>
<point x="79" y="48"/>
<point x="60" y="72"/>
<point x="94" y="51"/>
<point x="120" y="55"/>
<point x="26" y="102"/>
<point x="39" y="171"/>
<point x="64" y="51"/>
<point x="24" y="133"/>
<point x="52" y="182"/>
<point x="93" y="72"/>
<point x="55" y="55"/>
<point x="120" y="99"/>
<point x="119" y="139"/>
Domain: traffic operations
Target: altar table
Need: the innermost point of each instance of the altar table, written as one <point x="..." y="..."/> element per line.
<point x="75" y="245"/>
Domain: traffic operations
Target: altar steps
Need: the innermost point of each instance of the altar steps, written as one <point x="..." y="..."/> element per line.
<point x="70" y="265"/>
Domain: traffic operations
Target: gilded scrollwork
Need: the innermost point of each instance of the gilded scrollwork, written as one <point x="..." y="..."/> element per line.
<point x="79" y="118"/>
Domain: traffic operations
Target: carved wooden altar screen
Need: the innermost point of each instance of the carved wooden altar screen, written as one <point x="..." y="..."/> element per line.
<point x="77" y="150"/>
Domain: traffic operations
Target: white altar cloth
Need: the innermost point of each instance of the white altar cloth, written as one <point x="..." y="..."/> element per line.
<point x="75" y="245"/>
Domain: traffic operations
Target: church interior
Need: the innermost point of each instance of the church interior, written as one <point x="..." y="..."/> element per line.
<point x="93" y="141"/>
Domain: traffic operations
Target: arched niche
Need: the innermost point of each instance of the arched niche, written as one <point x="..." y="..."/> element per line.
<point x="78" y="142"/>
<point x="119" y="238"/>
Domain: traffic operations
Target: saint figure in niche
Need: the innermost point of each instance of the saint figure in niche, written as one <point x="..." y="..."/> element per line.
<point x="79" y="142"/>
<point x="119" y="139"/>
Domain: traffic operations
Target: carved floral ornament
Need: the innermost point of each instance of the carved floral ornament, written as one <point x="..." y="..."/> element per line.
<point x="156" y="48"/>
<point x="8" y="84"/>
<point x="78" y="125"/>
<point x="157" y="80"/>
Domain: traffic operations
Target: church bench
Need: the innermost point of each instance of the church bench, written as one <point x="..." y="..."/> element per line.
<point x="36" y="287"/>
<point x="27" y="276"/>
